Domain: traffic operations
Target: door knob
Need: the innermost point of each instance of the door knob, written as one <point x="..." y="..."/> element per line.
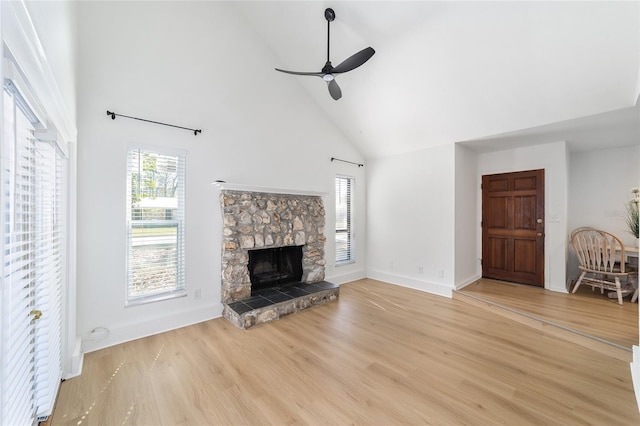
<point x="36" y="314"/>
<point x="539" y="220"/>
<point x="539" y="234"/>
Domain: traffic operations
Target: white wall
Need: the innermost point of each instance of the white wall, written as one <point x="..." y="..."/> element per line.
<point x="410" y="220"/>
<point x="599" y="184"/>
<point x="467" y="266"/>
<point x="553" y="159"/>
<point x="192" y="64"/>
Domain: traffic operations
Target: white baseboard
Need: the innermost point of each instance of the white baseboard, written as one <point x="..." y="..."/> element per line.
<point x="127" y="332"/>
<point x="77" y="360"/>
<point x="347" y="278"/>
<point x="635" y="373"/>
<point x="468" y="281"/>
<point x="426" y="286"/>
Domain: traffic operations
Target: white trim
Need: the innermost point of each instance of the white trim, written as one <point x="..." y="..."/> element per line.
<point x="156" y="297"/>
<point x="72" y="357"/>
<point x="438" y="289"/>
<point x="157" y="149"/>
<point x="148" y="327"/>
<point x="347" y="278"/>
<point x="635" y="373"/>
<point x="24" y="90"/>
<point x="20" y="37"/>
<point x="467" y="282"/>
<point x="76" y="361"/>
<point x="223" y="186"/>
<point x="51" y="135"/>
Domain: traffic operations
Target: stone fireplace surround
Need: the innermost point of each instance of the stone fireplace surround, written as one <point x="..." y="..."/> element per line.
<point x="256" y="220"/>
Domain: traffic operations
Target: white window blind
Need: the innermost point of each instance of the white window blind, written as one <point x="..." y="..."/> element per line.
<point x="51" y="180"/>
<point x="18" y="187"/>
<point x="33" y="264"/>
<point x="155" y="225"/>
<point x="344" y="220"/>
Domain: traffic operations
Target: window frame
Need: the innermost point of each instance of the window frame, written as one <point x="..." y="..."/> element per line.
<point x="350" y="257"/>
<point x="179" y="290"/>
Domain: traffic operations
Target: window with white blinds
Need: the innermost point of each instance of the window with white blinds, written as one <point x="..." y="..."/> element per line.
<point x="155" y="225"/>
<point x="344" y="220"/>
<point x="33" y="265"/>
<point x="49" y="273"/>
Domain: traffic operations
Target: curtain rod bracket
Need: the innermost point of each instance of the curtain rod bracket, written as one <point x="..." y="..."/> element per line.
<point x="114" y="115"/>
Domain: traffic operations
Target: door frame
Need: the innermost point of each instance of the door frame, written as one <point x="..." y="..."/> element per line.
<point x="554" y="159"/>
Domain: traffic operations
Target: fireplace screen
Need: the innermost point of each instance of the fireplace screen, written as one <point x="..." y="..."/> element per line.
<point x="274" y="267"/>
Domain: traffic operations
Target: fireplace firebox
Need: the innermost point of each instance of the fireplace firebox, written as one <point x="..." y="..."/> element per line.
<point x="274" y="267"/>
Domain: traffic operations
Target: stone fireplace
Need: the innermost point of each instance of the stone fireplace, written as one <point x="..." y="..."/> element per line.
<point x="254" y="223"/>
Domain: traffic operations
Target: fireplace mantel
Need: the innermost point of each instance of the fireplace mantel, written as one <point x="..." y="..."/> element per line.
<point x="226" y="186"/>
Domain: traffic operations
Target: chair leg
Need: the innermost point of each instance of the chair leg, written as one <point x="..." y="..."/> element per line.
<point x="619" y="290"/>
<point x="632" y="280"/>
<point x="579" y="281"/>
<point x="601" y="287"/>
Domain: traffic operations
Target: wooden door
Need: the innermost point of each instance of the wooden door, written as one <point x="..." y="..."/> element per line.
<point x="513" y="227"/>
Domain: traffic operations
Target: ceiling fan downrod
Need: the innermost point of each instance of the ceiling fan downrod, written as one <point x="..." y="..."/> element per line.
<point x="329" y="15"/>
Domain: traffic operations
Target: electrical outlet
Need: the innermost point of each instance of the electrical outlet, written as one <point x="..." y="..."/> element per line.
<point x="198" y="294"/>
<point x="421" y="269"/>
<point x="441" y="273"/>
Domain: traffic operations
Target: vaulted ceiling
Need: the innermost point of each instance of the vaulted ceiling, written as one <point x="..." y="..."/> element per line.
<point x="444" y="72"/>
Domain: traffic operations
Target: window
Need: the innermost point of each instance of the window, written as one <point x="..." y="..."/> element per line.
<point x="155" y="225"/>
<point x="344" y="220"/>
<point x="34" y="181"/>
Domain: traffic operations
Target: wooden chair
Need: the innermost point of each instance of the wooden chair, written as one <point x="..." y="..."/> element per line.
<point x="601" y="260"/>
<point x="582" y="228"/>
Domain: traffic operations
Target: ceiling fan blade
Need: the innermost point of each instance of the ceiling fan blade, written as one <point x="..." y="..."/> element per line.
<point x="354" y="61"/>
<point x="317" y="74"/>
<point x="334" y="89"/>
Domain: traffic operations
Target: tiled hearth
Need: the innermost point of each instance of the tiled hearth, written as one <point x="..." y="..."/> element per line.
<point x="262" y="220"/>
<point x="274" y="303"/>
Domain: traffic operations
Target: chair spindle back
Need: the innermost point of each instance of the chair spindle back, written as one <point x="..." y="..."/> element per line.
<point x="596" y="250"/>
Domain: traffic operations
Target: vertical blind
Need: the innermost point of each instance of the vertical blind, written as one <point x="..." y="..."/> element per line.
<point x="344" y="219"/>
<point x="32" y="190"/>
<point x="155" y="225"/>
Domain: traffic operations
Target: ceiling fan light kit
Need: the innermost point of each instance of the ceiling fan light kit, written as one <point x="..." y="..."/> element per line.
<point x="328" y="71"/>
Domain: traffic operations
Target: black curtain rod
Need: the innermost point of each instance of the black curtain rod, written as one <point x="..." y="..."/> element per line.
<point x="345" y="161"/>
<point x="114" y="115"/>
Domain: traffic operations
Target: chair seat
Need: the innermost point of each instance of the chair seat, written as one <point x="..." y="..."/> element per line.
<point x="617" y="270"/>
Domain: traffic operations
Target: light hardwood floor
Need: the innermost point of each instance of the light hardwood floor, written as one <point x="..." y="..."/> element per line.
<point x="586" y="311"/>
<point x="380" y="355"/>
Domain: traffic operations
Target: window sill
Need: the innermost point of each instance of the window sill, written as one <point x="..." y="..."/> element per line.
<point x="143" y="300"/>
<point x="345" y="263"/>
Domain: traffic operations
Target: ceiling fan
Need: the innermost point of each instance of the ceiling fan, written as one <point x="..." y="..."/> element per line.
<point x="328" y="71"/>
